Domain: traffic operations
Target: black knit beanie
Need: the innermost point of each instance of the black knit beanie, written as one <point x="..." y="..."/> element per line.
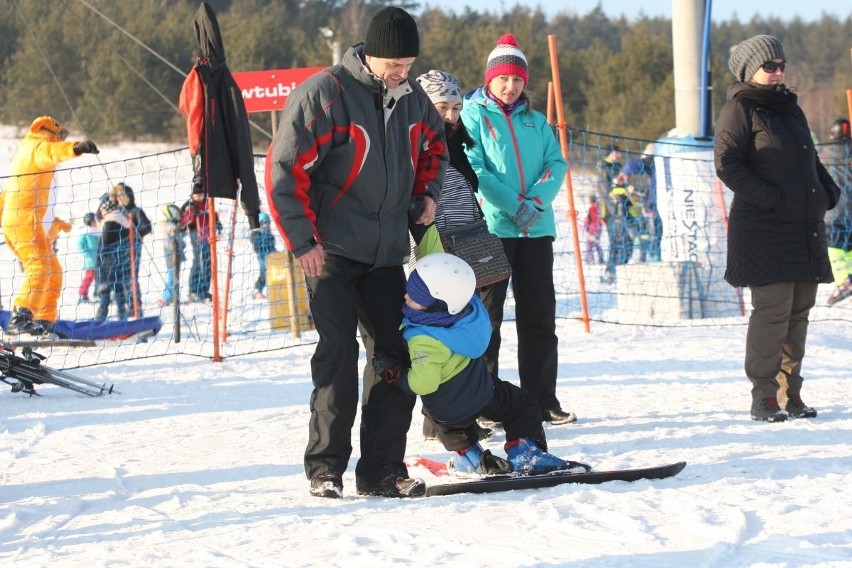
<point x="747" y="56"/>
<point x="392" y="35"/>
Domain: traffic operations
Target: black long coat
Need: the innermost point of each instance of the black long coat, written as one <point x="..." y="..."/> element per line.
<point x="217" y="122"/>
<point x="764" y="153"/>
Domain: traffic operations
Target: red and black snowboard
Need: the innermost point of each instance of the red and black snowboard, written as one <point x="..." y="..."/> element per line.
<point x="511" y="482"/>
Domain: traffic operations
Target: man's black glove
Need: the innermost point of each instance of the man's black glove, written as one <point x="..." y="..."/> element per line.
<point x="388" y="367"/>
<point x="417" y="207"/>
<point x="85" y="147"/>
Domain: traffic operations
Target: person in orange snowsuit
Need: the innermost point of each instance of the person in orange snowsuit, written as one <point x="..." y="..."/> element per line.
<point x="26" y="206"/>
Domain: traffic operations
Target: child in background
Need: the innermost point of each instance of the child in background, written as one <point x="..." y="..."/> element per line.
<point x="593" y="227"/>
<point x="196" y="220"/>
<point x="87" y="244"/>
<point x="113" y="258"/>
<point x="447" y="330"/>
<point x="619" y="211"/>
<point x="172" y="235"/>
<point x="263" y="243"/>
<point x="141" y="228"/>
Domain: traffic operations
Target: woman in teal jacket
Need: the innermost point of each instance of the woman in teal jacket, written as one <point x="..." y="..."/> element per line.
<point x="520" y="169"/>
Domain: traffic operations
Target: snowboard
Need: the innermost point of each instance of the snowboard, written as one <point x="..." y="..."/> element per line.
<point x="497" y="483"/>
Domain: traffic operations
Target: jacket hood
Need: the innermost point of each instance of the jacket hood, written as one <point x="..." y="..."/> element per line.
<point x="48" y="128"/>
<point x="776" y="98"/>
<point x="479" y="95"/>
<point x="208" y="35"/>
<point x="475" y="94"/>
<point x="469" y="336"/>
<point x="354" y="62"/>
<point x="740" y="87"/>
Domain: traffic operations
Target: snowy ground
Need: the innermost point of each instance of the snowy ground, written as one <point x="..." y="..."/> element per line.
<point x="198" y="463"/>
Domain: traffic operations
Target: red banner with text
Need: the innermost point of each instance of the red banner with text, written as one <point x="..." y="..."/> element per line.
<point x="265" y="91"/>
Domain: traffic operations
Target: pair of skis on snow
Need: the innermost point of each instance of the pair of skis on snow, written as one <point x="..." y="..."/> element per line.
<point x="22" y="372"/>
<point x="508" y="482"/>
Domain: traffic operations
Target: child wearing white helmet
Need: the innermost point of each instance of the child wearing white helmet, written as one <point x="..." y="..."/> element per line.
<point x="447" y="330"/>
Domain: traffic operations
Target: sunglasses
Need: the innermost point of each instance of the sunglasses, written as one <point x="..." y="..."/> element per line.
<point x="772" y="66"/>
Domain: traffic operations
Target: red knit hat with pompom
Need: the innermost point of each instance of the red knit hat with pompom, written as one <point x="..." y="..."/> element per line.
<point x="506" y="59"/>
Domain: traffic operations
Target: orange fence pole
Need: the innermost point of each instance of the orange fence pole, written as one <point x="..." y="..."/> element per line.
<point x="849" y="97"/>
<point x="133" y="288"/>
<point x="214" y="274"/>
<point x="849" y="101"/>
<point x="572" y="212"/>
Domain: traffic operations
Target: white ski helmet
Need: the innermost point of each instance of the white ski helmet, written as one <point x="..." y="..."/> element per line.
<point x="448" y="278"/>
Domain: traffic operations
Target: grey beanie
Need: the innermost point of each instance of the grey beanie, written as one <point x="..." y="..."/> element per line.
<point x="747" y="56"/>
<point x="441" y="86"/>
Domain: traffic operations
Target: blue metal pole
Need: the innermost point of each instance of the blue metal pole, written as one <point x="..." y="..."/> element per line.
<point x="704" y="105"/>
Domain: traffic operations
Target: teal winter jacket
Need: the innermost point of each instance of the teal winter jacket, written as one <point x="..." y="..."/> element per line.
<point x="515" y="158"/>
<point x="87" y="244"/>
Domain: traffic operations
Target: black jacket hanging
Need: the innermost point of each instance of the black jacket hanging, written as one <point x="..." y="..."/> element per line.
<point x="217" y="122"/>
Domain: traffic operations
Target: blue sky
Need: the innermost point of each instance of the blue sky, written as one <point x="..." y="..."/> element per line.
<point x="808" y="10"/>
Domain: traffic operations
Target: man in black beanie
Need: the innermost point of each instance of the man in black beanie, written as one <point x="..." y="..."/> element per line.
<point x="392" y="34"/>
<point x="358" y="145"/>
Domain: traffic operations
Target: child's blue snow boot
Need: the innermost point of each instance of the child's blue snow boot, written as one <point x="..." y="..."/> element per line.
<point x="528" y="459"/>
<point x="476" y="462"/>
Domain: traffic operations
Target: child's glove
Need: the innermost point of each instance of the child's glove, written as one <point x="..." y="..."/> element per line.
<point x="388" y="367"/>
<point x="526" y="216"/>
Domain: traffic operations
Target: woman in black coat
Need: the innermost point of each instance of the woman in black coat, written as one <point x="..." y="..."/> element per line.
<point x="777" y="245"/>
